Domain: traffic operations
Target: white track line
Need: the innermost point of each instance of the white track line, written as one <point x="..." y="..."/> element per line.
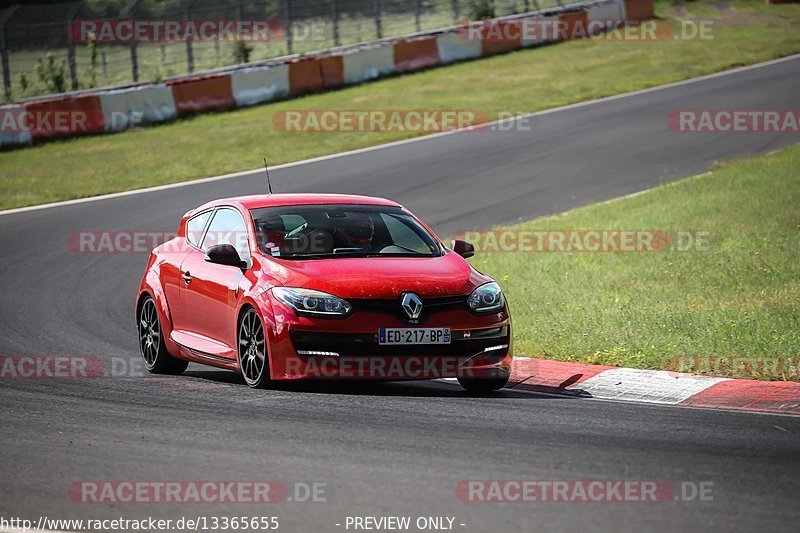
<point x="399" y="143"/>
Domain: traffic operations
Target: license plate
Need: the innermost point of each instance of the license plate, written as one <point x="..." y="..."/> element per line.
<point x="414" y="336"/>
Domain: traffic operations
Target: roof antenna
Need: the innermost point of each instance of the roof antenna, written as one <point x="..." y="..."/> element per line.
<point x="266" y="167"/>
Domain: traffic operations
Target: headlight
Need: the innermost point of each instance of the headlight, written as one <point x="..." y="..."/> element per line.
<point x="306" y="301"/>
<point x="486" y="298"/>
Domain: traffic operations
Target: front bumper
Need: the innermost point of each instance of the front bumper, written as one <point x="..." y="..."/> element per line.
<point x="315" y="348"/>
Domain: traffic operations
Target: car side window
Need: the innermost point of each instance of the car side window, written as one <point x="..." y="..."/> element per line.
<point x="227" y="227"/>
<point x="195" y="227"/>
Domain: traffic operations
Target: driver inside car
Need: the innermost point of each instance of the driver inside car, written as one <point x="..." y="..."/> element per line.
<point x="357" y="230"/>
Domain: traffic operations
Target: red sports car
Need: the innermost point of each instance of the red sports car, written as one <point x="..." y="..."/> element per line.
<point x="303" y="286"/>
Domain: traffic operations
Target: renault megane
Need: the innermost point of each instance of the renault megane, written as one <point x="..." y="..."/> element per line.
<point x="304" y="286"/>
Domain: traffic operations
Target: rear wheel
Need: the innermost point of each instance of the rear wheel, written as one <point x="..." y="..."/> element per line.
<point x="483" y="385"/>
<point x="151" y="342"/>
<point x="253" y="350"/>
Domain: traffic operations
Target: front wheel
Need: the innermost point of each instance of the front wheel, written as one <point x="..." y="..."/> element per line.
<point x="253" y="350"/>
<point x="483" y="385"/>
<point x="157" y="359"/>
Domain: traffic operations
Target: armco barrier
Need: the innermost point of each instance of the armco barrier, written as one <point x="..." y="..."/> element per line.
<point x="416" y="54"/>
<point x="456" y="46"/>
<point x="500" y="36"/>
<point x="13" y="130"/>
<point x="305" y="76"/>
<point x="368" y="62"/>
<point x="64" y="117"/>
<point x="256" y="85"/>
<point x="137" y="106"/>
<point x="332" y="68"/>
<point x="202" y="94"/>
<point x="639" y="9"/>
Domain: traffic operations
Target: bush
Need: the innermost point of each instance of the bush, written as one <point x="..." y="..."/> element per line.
<point x="242" y="51"/>
<point x="481" y="9"/>
<point x="52" y="73"/>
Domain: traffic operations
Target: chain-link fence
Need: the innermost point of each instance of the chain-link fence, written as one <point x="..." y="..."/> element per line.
<point x="43" y="53"/>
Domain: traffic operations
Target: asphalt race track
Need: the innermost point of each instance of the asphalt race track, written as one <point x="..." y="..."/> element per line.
<point x="391" y="449"/>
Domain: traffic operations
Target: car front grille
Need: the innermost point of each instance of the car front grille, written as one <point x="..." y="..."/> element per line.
<point x="395" y="308"/>
<point x="348" y="344"/>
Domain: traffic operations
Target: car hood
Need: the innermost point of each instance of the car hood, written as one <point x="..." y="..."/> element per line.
<point x="381" y="277"/>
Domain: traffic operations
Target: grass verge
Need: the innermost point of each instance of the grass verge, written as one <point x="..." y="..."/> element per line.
<point x="730" y="306"/>
<point x="746" y="31"/>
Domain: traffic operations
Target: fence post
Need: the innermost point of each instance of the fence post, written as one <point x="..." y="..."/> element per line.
<point x="4" y="51"/>
<point x="134" y="55"/>
<point x="189" y="51"/>
<point x="335" y="18"/>
<point x="376" y="8"/>
<point x="289" y="26"/>
<point x="454" y="7"/>
<point x="73" y="67"/>
<point x="417" y="8"/>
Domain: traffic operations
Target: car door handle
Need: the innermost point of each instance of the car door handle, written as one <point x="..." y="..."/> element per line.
<point x="186" y="277"/>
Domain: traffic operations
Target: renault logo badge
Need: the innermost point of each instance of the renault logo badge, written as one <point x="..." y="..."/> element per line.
<point x="412" y="305"/>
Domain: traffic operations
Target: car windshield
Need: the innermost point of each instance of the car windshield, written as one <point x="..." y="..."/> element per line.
<point x="337" y="231"/>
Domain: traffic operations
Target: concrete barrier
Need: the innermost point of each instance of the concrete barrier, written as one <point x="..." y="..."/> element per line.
<point x="119" y="109"/>
<point x="257" y="85"/>
<point x="537" y="30"/>
<point x="332" y="68"/>
<point x="457" y="46"/>
<point x="137" y="106"/>
<point x="13" y="129"/>
<point x="416" y="54"/>
<point x="500" y="36"/>
<point x="305" y="76"/>
<point x="67" y="116"/>
<point x="613" y="10"/>
<point x="639" y="9"/>
<point x="201" y="94"/>
<point x="576" y="23"/>
<point x="368" y="62"/>
<point x="610" y="14"/>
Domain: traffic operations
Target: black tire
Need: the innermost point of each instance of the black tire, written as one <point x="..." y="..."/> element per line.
<point x="252" y="350"/>
<point x="483" y="385"/>
<point x="157" y="359"/>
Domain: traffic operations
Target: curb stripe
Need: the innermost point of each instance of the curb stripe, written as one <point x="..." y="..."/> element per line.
<point x="749" y="395"/>
<point x="654" y="386"/>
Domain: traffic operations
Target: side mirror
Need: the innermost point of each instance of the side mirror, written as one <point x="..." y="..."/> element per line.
<point x="224" y="254"/>
<point x="463" y="248"/>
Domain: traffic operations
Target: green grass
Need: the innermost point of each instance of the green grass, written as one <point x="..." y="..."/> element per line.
<point x="730" y="308"/>
<point x="523" y="81"/>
